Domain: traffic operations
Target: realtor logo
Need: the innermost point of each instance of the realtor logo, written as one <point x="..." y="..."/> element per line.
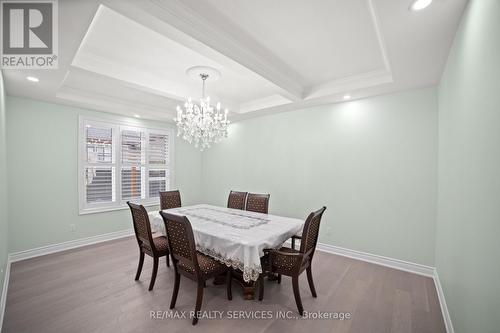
<point x="29" y="34"/>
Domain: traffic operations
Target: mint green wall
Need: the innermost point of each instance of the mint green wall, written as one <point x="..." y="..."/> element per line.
<point x="468" y="223"/>
<point x="3" y="189"/>
<point x="42" y="168"/>
<point x="372" y="162"/>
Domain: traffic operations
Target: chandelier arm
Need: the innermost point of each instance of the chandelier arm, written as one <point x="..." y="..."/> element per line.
<point x="200" y="125"/>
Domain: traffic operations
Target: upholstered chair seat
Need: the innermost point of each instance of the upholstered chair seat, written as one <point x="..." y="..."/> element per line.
<point x="208" y="266"/>
<point x="161" y="244"/>
<point x="156" y="247"/>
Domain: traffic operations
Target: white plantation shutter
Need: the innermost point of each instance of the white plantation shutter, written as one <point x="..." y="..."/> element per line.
<point x="120" y="163"/>
<point x="158" y="181"/>
<point x="99" y="165"/>
<point x="158" y="160"/>
<point x="133" y="165"/>
<point x="100" y="184"/>
<point x="158" y="149"/>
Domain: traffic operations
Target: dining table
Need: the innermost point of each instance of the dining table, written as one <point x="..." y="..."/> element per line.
<point x="234" y="237"/>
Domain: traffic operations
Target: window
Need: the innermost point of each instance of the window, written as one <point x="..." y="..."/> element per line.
<point x="120" y="163"/>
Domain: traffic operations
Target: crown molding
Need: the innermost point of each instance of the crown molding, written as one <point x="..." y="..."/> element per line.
<point x="111" y="104"/>
<point x="229" y="40"/>
<point x="350" y="83"/>
<point x="262" y="103"/>
<point x="380" y="36"/>
<point x="192" y="27"/>
<point x="358" y="81"/>
<point x="93" y="64"/>
<point x="233" y="43"/>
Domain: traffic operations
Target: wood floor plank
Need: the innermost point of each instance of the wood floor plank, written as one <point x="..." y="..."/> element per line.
<point x="92" y="289"/>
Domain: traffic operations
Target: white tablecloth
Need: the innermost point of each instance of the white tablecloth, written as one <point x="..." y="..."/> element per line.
<point x="234" y="237"/>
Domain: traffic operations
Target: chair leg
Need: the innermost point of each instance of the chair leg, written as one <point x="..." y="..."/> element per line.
<point x="311" y="282"/>
<point x="296" y="293"/>
<point x="139" y="268"/>
<point x="153" y="276"/>
<point x="168" y="260"/>
<point x="199" y="300"/>
<point x="229" y="285"/>
<point x="261" y="287"/>
<point x="279" y="278"/>
<point x="176" y="290"/>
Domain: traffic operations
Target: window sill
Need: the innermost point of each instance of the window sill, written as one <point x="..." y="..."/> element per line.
<point x="96" y="210"/>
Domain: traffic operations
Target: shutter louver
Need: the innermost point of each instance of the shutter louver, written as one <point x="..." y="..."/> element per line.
<point x="99" y="180"/>
<point x="99" y="143"/>
<point x="157" y="182"/>
<point x="158" y="162"/>
<point x="132" y="172"/>
<point x="99" y="183"/>
<point x="158" y="149"/>
<point x="132" y="184"/>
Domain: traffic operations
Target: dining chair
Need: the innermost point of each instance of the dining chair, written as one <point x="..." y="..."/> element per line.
<point x="257" y="203"/>
<point x="294" y="238"/>
<point x="237" y="200"/>
<point x="190" y="263"/>
<point x="290" y="262"/>
<point x="170" y="199"/>
<point x="156" y="247"/>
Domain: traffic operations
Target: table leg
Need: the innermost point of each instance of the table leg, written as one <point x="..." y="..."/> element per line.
<point x="249" y="292"/>
<point x="248" y="288"/>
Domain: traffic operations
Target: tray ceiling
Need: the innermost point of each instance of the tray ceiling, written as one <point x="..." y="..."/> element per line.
<point x="130" y="57"/>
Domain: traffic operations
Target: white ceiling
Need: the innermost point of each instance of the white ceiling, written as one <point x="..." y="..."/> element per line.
<point x="312" y="40"/>
<point x="130" y="57"/>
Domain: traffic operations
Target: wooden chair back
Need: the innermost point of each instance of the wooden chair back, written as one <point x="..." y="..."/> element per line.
<point x="170" y="199"/>
<point x="258" y="203"/>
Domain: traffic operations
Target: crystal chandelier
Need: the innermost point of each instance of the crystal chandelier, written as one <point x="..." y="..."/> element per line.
<point x="201" y="124"/>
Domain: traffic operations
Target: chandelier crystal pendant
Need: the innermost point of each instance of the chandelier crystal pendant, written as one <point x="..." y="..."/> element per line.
<point x="202" y="124"/>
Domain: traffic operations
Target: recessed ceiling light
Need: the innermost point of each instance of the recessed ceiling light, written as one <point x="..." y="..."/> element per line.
<point x="346" y="97"/>
<point x="137" y="116"/>
<point x="420" y="4"/>
<point x="32" y="78"/>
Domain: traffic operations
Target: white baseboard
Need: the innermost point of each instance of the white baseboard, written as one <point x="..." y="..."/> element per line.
<point x="3" y="300"/>
<point x="442" y="303"/>
<point x="53" y="248"/>
<point x="374" y="259"/>
<point x="379" y="260"/>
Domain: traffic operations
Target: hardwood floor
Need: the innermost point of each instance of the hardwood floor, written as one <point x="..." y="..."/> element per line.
<point x="92" y="289"/>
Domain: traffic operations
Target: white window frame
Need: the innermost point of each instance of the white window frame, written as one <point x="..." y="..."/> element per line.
<point x="117" y="126"/>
